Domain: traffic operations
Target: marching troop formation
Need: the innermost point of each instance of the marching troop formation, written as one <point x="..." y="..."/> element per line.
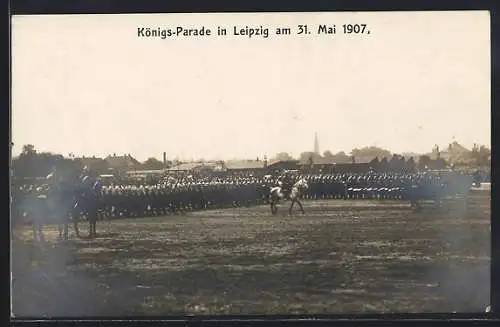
<point x="177" y="195"/>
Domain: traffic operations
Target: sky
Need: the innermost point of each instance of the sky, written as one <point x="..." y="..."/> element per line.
<point x="88" y="85"/>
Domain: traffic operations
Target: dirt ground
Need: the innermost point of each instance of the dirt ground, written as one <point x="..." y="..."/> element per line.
<point x="340" y="257"/>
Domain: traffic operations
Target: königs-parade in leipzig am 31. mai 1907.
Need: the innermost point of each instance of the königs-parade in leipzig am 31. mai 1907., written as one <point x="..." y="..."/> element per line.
<point x="250" y="32"/>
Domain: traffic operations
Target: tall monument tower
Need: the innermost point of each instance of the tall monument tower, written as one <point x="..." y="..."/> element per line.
<point x="316" y="143"/>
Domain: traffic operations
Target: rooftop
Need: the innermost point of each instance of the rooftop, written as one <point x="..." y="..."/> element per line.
<point x="186" y="166"/>
<point x="121" y="161"/>
<point x="244" y="164"/>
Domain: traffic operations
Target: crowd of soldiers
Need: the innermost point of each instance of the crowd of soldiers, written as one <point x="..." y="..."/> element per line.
<point x="177" y="195"/>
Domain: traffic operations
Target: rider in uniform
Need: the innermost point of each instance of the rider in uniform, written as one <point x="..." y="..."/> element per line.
<point x="89" y="186"/>
<point x="286" y="182"/>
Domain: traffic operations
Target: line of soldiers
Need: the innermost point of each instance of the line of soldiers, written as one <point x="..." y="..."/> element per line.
<point x="173" y="195"/>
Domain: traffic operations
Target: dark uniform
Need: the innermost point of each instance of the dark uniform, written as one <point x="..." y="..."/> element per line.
<point x="287" y="184"/>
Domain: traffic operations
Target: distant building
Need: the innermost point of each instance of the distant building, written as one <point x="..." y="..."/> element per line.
<point x="341" y="158"/>
<point x="396" y="163"/>
<point x="274" y="165"/>
<point x="244" y="165"/>
<point x="452" y="153"/>
<point x="89" y="161"/>
<point x="148" y="176"/>
<point x="316" y="144"/>
<point x="316" y="161"/>
<point x="122" y="163"/>
<point x="185" y="167"/>
<point x="316" y="164"/>
<point x="254" y="167"/>
<point x="363" y="160"/>
<point x="363" y="167"/>
<point x="95" y="164"/>
<point x="145" y="173"/>
<point x="196" y="167"/>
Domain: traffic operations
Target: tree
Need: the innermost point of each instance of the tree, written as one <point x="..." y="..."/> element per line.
<point x="28" y="150"/>
<point x="393" y="163"/>
<point x="481" y="155"/>
<point x="370" y="152"/>
<point x="384" y="162"/>
<point x="328" y="155"/>
<point x="424" y="161"/>
<point x="33" y="164"/>
<point x="375" y="164"/>
<point x="283" y="156"/>
<point x="341" y="157"/>
<point x="410" y="164"/>
<point x="397" y="163"/>
<point x="308" y="156"/>
<point x="152" y="164"/>
<point x="310" y="161"/>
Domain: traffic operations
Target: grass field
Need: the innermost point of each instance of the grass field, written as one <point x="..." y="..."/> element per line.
<point x="340" y="257"/>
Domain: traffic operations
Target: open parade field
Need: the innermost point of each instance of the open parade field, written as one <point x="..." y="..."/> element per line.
<point x="340" y="257"/>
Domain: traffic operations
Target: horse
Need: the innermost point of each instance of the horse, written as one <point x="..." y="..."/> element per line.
<point x="68" y="211"/>
<point x="57" y="212"/>
<point x="432" y="194"/>
<point x="37" y="214"/>
<point x="50" y="207"/>
<point x="40" y="208"/>
<point x="296" y="193"/>
<point x="86" y="202"/>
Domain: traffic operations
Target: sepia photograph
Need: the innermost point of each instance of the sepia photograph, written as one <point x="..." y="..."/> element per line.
<point x="250" y="164"/>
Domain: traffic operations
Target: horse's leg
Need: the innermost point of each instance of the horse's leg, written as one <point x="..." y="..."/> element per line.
<point x="41" y="236"/>
<point x="59" y="217"/>
<point x="274" y="208"/>
<point x="92" y="223"/>
<point x="291" y="206"/>
<point x="301" y="207"/>
<point x="91" y="229"/>
<point x="419" y="205"/>
<point x="272" y="203"/>
<point x="66" y="226"/>
<point x="75" y="217"/>
<point x="90" y="219"/>
<point x="437" y="203"/>
<point x="60" y="225"/>
<point x="415" y="205"/>
<point x="75" y="226"/>
<point x="34" y="228"/>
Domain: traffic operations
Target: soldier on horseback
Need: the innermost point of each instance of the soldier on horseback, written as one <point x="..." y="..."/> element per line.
<point x="88" y="199"/>
<point x="290" y="187"/>
<point x="286" y="181"/>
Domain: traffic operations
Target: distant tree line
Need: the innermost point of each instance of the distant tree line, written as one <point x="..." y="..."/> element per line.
<point x="478" y="156"/>
<point x="31" y="163"/>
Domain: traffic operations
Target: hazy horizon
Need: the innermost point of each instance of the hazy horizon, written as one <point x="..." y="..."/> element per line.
<point x="268" y="156"/>
<point x="86" y="84"/>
